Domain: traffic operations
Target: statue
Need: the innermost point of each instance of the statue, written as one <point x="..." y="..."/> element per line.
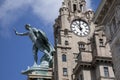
<point x="40" y="42"/>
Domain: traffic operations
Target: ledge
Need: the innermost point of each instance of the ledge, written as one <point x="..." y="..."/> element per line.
<point x="62" y="47"/>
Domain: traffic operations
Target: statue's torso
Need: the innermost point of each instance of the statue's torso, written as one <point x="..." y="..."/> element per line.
<point x="32" y="36"/>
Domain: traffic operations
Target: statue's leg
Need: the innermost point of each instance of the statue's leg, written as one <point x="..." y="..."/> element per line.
<point x="52" y="50"/>
<point x="50" y="57"/>
<point x="35" y="50"/>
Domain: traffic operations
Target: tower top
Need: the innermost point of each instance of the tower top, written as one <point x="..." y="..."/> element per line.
<point x="75" y="5"/>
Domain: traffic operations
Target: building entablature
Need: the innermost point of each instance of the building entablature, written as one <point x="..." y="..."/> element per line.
<point x="108" y="15"/>
<point x="103" y="12"/>
<point x="82" y="65"/>
<point x="63" y="47"/>
<point x="99" y="59"/>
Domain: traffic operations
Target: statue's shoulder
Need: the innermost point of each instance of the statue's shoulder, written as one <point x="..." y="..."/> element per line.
<point x="35" y="29"/>
<point x="40" y="32"/>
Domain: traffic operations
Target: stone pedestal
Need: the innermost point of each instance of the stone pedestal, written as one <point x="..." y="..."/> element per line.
<point x="38" y="73"/>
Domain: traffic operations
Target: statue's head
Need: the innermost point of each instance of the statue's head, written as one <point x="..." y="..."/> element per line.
<point x="27" y="26"/>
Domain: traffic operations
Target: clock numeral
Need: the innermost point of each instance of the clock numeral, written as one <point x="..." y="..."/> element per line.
<point x="81" y="22"/>
<point x="84" y="33"/>
<point x="73" y="29"/>
<point x="73" y="26"/>
<point x="77" y="22"/>
<point x="74" y="23"/>
<point x="85" y="24"/>
<point x="81" y="34"/>
<point x="78" y="33"/>
<point x="75" y="32"/>
<point x="87" y="28"/>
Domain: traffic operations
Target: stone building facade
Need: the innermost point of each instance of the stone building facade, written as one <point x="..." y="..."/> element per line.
<point x="108" y="18"/>
<point x="81" y="52"/>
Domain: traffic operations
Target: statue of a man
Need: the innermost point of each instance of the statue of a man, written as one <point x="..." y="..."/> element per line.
<point x="40" y="42"/>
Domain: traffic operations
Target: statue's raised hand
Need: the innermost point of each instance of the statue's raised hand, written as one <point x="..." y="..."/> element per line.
<point x="15" y="31"/>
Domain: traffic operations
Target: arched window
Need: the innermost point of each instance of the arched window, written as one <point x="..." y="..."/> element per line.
<point x="66" y="32"/>
<point x="66" y="42"/>
<point x="74" y="7"/>
<point x="101" y="42"/>
<point x="81" y="46"/>
<point x="81" y="7"/>
<point x="106" y="71"/>
<point x="64" y="59"/>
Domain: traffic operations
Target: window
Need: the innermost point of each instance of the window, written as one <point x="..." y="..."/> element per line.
<point x="74" y="7"/>
<point x="81" y="7"/>
<point x="66" y="32"/>
<point x="64" y="59"/>
<point x="65" y="72"/>
<point x="66" y="43"/>
<point x="82" y="46"/>
<point x="81" y="77"/>
<point x="101" y="42"/>
<point x="106" y="72"/>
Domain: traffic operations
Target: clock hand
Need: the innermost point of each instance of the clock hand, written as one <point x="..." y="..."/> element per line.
<point x="80" y="28"/>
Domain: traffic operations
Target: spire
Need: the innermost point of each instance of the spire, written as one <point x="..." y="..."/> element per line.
<point x="64" y="9"/>
<point x="63" y="5"/>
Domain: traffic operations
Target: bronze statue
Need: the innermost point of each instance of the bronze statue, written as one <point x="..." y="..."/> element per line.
<point x="40" y="42"/>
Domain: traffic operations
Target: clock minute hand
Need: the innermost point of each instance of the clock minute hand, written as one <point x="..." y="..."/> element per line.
<point x="80" y="27"/>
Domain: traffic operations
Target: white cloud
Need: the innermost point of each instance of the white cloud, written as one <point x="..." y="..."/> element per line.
<point x="47" y="10"/>
<point x="89" y="4"/>
<point x="12" y="10"/>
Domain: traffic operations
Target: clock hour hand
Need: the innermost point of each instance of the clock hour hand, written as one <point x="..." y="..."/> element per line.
<point x="80" y="28"/>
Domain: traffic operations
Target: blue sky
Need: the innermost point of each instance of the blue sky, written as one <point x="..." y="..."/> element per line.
<point x="16" y="51"/>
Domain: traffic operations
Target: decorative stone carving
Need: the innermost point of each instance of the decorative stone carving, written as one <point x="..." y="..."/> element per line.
<point x="89" y="14"/>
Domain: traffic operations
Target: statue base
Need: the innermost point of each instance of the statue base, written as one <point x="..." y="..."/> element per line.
<point x="38" y="73"/>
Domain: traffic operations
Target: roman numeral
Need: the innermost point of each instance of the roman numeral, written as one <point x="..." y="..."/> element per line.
<point x="74" y="23"/>
<point x="86" y="31"/>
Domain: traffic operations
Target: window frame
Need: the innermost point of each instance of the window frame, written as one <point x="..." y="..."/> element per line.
<point x="106" y="71"/>
<point x="64" y="58"/>
<point x="82" y="46"/>
<point x="101" y="42"/>
<point x="65" y="72"/>
<point x="66" y="42"/>
<point x="74" y="7"/>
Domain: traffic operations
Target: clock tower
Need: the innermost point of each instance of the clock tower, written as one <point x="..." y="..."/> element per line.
<point x="74" y="34"/>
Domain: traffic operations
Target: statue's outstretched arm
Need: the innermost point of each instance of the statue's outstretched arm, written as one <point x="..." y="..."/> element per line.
<point x="21" y="34"/>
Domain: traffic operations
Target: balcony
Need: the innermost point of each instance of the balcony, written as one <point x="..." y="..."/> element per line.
<point x="85" y="56"/>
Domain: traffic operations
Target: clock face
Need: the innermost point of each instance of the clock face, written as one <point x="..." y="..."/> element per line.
<point x="80" y="28"/>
